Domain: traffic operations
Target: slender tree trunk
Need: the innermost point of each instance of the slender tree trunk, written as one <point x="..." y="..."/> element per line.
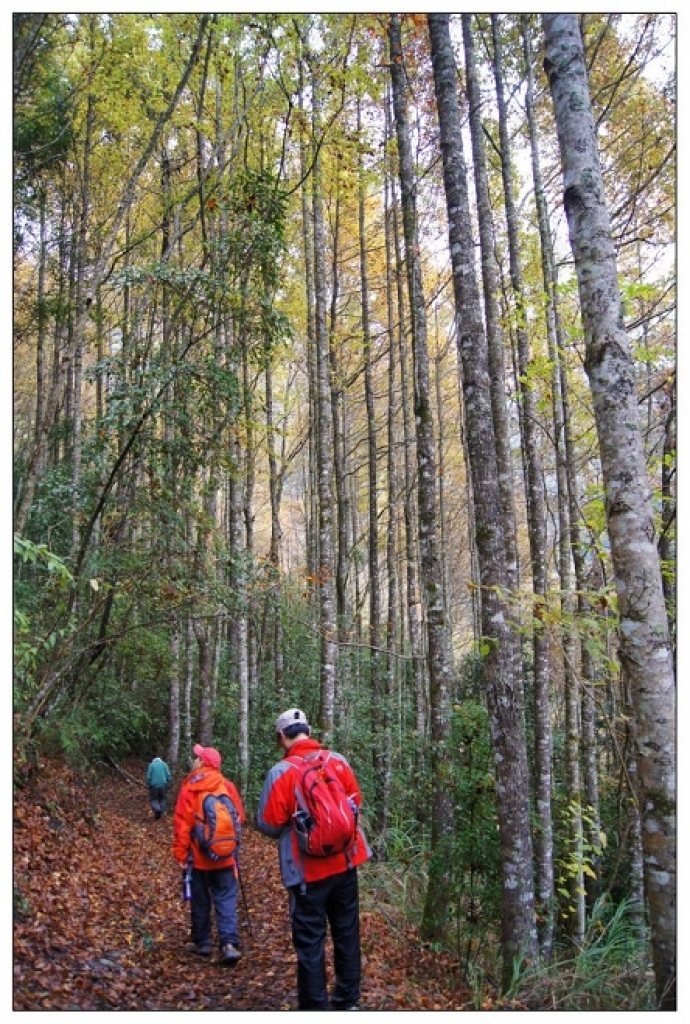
<point x="240" y="640"/>
<point x="412" y="598"/>
<point x="273" y="597"/>
<point x="588" y="668"/>
<point x="343" y="519"/>
<point x="536" y="528"/>
<point x="248" y="514"/>
<point x="324" y="454"/>
<point x="312" y="542"/>
<point x="42" y="322"/>
<point x="644" y="642"/>
<point x="187" y="722"/>
<point x="501" y="676"/>
<point x="633" y="836"/>
<point x="494" y="333"/>
<point x="441" y="445"/>
<point x="378" y="702"/>
<point x="174" y="701"/>
<point x="564" y="534"/>
<point x="201" y="621"/>
<point x="435" y="916"/>
<point x="392" y="523"/>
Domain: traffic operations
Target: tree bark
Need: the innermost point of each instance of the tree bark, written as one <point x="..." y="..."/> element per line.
<point x="435" y="916"/>
<point x="501" y="677"/>
<point x="536" y="529"/>
<point x="410" y="515"/>
<point x="644" y="643"/>
<point x="378" y="702"/>
<point x="324" y="449"/>
<point x="273" y="598"/>
<point x="174" y="699"/>
<point x="492" y="312"/>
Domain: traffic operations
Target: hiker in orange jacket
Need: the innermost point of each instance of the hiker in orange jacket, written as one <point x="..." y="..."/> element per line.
<point x="322" y="890"/>
<point x="214" y="882"/>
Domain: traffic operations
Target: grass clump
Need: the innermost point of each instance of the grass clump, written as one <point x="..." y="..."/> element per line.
<point x="610" y="971"/>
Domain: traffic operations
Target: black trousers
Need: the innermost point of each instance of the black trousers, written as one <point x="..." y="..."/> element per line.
<point x="333" y="901"/>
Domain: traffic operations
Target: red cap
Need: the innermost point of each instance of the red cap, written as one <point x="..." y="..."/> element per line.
<point x="209" y="756"/>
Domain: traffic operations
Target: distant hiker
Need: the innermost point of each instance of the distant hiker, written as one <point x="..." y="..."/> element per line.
<point x="207" y="828"/>
<point x="158" y="779"/>
<point x="322" y="885"/>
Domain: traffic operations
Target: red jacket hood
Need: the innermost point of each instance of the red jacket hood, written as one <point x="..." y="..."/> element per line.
<point x="304" y="745"/>
<point x="205" y="779"/>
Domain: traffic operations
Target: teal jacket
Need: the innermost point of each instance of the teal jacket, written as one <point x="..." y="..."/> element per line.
<point x="158" y="773"/>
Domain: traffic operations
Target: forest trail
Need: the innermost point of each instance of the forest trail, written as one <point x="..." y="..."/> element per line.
<point x="100" y="923"/>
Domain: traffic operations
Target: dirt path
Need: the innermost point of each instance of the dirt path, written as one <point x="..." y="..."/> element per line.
<point x="100" y="923"/>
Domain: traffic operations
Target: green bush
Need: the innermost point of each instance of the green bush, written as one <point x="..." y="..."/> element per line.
<point x="108" y="723"/>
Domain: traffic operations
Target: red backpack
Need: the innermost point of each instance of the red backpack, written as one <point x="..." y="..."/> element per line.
<point x="325" y="821"/>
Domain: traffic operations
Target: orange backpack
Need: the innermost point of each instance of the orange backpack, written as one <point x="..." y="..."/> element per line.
<point x="217" y="831"/>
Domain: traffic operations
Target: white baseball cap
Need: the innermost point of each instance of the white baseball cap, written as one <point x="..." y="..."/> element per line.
<point x="295" y="716"/>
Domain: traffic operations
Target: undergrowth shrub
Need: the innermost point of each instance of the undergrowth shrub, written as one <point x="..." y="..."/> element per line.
<point x="477" y="889"/>
<point x="610" y="971"/>
<point x="395" y="881"/>
<point x="108" y="723"/>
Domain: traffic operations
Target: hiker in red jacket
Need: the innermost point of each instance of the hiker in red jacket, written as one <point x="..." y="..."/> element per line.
<point x="214" y="882"/>
<point x="322" y="890"/>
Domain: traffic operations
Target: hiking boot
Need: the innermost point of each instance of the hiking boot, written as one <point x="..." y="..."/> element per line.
<point x="229" y="954"/>
<point x="202" y="948"/>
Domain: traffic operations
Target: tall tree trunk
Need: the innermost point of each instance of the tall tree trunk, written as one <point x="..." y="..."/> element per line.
<point x="568" y="627"/>
<point x="240" y="641"/>
<point x="83" y="301"/>
<point x="435" y="916"/>
<point x="536" y="528"/>
<point x="273" y="598"/>
<point x="412" y="601"/>
<point x="376" y="683"/>
<point x="324" y="449"/>
<point x="501" y="669"/>
<point x="343" y="525"/>
<point x="174" y="699"/>
<point x="633" y="834"/>
<point x="499" y="405"/>
<point x="202" y="621"/>
<point x="588" y="666"/>
<point x="248" y="514"/>
<point x="392" y="523"/>
<point x="644" y="642"/>
<point x="441" y="446"/>
<point x="189" y="737"/>
<point x="312" y="512"/>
